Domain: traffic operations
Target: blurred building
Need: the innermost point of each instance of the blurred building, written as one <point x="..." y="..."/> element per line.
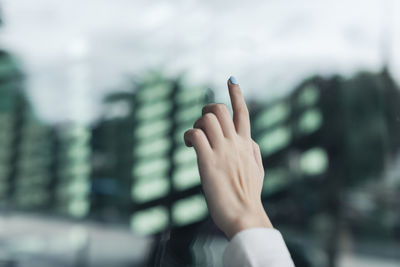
<point x="325" y="122"/>
<point x="112" y="159"/>
<point x="330" y="150"/>
<point x="11" y="99"/>
<point x="25" y="144"/>
<point x="166" y="183"/>
<point x="328" y="136"/>
<point x="142" y="171"/>
<point x="43" y="168"/>
<point x="141" y="165"/>
<point x="71" y="168"/>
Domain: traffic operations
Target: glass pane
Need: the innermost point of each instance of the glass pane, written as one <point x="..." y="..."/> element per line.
<point x="274" y="140"/>
<point x="151" y="129"/>
<point x="78" y="207"/>
<point x="150" y="221"/>
<point x="184" y="155"/>
<point x="155" y="147"/>
<point x="189" y="210"/>
<point x="154" y="92"/>
<point x="275" y="180"/>
<point x="150" y="188"/>
<point x="314" y="161"/>
<point x="185" y="97"/>
<point x="189" y="114"/>
<point x="308" y="96"/>
<point x="186" y="177"/>
<point x="272" y="115"/>
<point x="151" y="166"/>
<point x="310" y="121"/>
<point x="154" y="110"/>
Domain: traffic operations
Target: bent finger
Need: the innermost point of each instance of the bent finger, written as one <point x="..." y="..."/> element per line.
<point x="224" y="117"/>
<point x="211" y="127"/>
<point x="197" y="139"/>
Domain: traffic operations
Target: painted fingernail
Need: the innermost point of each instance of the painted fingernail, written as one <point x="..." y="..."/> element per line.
<point x="233" y="80"/>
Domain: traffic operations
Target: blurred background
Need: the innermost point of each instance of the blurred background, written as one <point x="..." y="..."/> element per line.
<point x="95" y="97"/>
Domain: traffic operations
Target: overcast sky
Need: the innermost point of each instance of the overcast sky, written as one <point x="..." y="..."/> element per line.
<point x="76" y="51"/>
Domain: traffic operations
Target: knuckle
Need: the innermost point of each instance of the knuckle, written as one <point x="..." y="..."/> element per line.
<point x="208" y="118"/>
<point x="196" y="133"/>
<point x="255" y="144"/>
<point x="216" y="108"/>
<point x="220" y="108"/>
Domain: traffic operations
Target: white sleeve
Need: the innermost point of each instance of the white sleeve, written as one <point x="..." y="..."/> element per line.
<point x="257" y="247"/>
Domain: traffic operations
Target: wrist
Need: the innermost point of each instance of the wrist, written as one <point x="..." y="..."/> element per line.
<point x="257" y="219"/>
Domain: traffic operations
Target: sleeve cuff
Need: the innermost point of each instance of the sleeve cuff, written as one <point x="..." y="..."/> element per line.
<point x="257" y="247"/>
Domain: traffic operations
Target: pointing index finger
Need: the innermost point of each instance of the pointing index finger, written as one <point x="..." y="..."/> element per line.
<point x="240" y="111"/>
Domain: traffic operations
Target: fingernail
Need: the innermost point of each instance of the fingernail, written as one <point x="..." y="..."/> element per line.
<point x="233" y="80"/>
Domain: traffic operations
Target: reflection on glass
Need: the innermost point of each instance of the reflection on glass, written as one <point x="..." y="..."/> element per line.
<point x="310" y="121"/>
<point x="5" y="134"/>
<point x="185" y="97"/>
<point x="151" y="166"/>
<point x="27" y="165"/>
<point x="314" y="161"/>
<point x="189" y="210"/>
<point x="77" y="151"/>
<point x="73" y="154"/>
<point x="189" y="114"/>
<point x="28" y="199"/>
<point x="150" y="221"/>
<point x="154" y="110"/>
<point x="184" y="155"/>
<point x="180" y="131"/>
<point x="150" y="188"/>
<point x="117" y="109"/>
<point x="153" y="128"/>
<point x="39" y="147"/>
<point x="275" y="179"/>
<point x="74" y="170"/>
<point x="156" y="147"/>
<point x="5" y="121"/>
<point x="186" y="177"/>
<point x="37" y="179"/>
<point x="308" y="96"/>
<point x="154" y="92"/>
<point x="75" y="133"/>
<point x="272" y="115"/>
<point x="274" y="140"/>
<point x="78" y="206"/>
<point x="4" y="169"/>
<point x="3" y="188"/>
<point x="75" y="188"/>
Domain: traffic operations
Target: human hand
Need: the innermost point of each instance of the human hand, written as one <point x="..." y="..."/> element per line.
<point x="230" y="165"/>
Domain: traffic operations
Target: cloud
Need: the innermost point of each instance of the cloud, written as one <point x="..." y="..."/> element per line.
<point x="269" y="45"/>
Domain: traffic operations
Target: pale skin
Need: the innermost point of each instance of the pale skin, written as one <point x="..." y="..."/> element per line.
<point x="230" y="165"/>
